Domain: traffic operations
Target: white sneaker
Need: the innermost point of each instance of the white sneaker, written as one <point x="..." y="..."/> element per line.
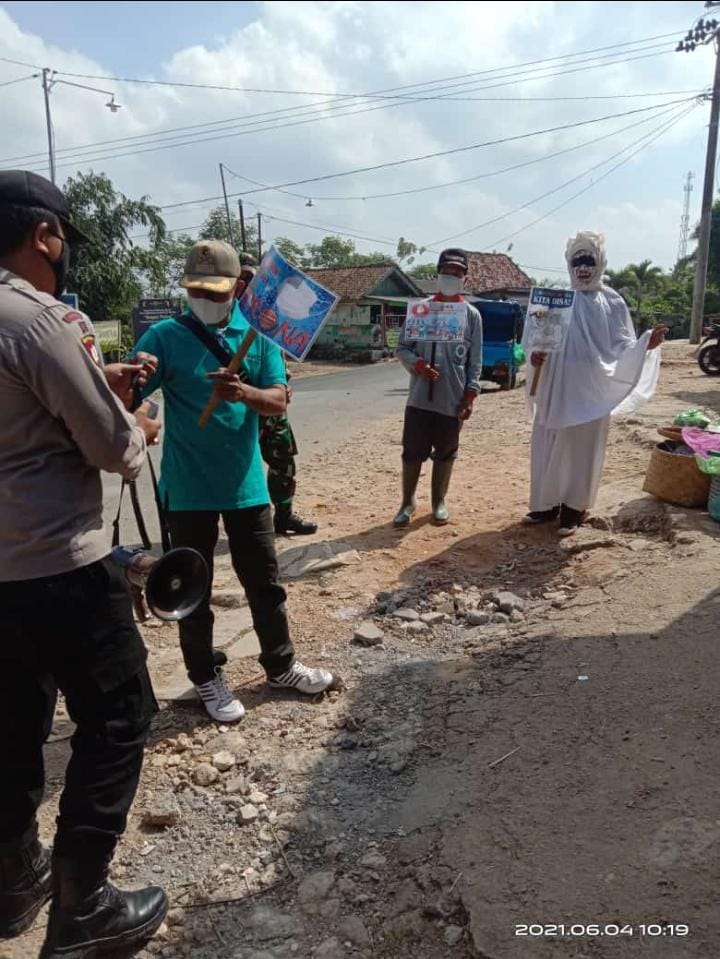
<point x="304" y="680"/>
<point x="219" y="701"/>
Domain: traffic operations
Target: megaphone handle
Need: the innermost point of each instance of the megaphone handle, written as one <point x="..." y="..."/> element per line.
<point x="233" y="367"/>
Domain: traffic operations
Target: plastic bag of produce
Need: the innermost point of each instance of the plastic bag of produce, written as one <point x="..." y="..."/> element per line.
<point x="692" y="418"/>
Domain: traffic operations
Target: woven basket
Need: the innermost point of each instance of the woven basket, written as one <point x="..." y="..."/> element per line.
<point x="676" y="479"/>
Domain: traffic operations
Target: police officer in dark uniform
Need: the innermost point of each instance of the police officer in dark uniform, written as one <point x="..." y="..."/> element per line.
<point x="66" y="618"/>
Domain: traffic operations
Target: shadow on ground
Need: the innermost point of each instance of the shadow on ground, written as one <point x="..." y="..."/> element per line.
<point x="471" y="797"/>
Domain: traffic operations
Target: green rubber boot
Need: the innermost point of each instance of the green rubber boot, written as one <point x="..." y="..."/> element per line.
<point x="410" y="478"/>
<point x="441" y="473"/>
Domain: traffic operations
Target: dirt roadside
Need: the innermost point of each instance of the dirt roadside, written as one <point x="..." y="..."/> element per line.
<point x="553" y="764"/>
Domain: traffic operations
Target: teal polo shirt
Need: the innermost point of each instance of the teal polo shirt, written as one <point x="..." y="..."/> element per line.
<point x="218" y="467"/>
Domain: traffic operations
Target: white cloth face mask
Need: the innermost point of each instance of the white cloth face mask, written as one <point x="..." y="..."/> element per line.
<point x="450" y="285"/>
<point x="209" y="312"/>
<point x="295" y="299"/>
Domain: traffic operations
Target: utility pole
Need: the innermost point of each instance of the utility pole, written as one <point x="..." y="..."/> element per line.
<point x="46" y="84"/>
<point x="242" y="225"/>
<point x="259" y="236"/>
<point x="685" y="219"/>
<point x="702" y="34"/>
<point x="227" y="207"/>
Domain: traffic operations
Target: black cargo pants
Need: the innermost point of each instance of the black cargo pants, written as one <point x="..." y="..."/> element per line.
<point x="73" y="632"/>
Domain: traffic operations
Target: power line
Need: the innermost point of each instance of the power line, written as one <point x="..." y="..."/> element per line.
<point x="437" y="186"/>
<point x="311" y="114"/>
<point x="510" y="71"/>
<point x="430" y="156"/>
<point x="9" y="83"/>
<point x="645" y="140"/>
<point x="590" y="186"/>
<point x="579" y="176"/>
<point x="334" y="96"/>
<point x="21" y="63"/>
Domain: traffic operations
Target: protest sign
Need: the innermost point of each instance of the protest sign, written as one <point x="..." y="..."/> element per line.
<point x="283" y="305"/>
<point x="286" y="306"/>
<point x="435" y="321"/>
<point x="548" y="317"/>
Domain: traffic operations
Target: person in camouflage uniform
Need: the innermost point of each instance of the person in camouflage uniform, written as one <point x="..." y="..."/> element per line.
<point x="279" y="449"/>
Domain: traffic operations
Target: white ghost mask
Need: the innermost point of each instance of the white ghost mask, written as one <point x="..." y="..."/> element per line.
<point x="295" y="298"/>
<point x="586" y="260"/>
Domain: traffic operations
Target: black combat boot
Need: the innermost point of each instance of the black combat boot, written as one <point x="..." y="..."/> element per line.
<point x="89" y="916"/>
<point x="287" y="522"/>
<point x="25" y="883"/>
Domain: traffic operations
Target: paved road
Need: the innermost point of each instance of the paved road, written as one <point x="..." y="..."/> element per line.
<point x="325" y="410"/>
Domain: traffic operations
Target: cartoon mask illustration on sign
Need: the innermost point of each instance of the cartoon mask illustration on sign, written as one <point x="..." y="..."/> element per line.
<point x="295" y="298"/>
<point x="586" y="260"/>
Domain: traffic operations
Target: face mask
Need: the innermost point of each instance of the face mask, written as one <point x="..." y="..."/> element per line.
<point x="61" y="266"/>
<point x="295" y="299"/>
<point x="209" y="312"/>
<point x="450" y="285"/>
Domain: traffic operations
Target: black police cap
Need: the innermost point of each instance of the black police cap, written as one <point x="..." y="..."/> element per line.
<point x="22" y="188"/>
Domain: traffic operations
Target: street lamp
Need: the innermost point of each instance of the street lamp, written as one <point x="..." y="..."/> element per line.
<point x="49" y="80"/>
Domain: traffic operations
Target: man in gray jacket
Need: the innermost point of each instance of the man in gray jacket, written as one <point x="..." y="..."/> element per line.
<point x="66" y="618"/>
<point x="444" y="382"/>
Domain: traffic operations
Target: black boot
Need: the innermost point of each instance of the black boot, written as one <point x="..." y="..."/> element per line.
<point x="441" y="473"/>
<point x="287" y="522"/>
<point x="25" y="884"/>
<point x="89" y="916"/>
<point x="410" y="478"/>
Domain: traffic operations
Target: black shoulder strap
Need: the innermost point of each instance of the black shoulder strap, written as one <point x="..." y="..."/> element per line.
<point x="221" y="353"/>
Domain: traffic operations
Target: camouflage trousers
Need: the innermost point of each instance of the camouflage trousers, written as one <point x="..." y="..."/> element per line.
<point x="278" y="449"/>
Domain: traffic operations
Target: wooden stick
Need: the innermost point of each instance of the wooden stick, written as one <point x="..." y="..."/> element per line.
<point x="431" y="385"/>
<point x="503" y="758"/>
<point x="233" y="367"/>
<point x="535" y="380"/>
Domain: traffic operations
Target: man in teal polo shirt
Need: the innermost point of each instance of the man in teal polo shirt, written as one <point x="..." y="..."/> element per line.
<point x="218" y="470"/>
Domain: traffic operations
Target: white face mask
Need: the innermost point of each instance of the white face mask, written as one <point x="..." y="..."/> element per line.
<point x="209" y="312"/>
<point x="295" y="299"/>
<point x="450" y="285"/>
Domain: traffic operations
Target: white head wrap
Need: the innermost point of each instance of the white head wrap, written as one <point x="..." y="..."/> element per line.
<point x="593" y="244"/>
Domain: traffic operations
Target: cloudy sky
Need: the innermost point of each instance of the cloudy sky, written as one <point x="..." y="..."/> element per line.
<point x="442" y="76"/>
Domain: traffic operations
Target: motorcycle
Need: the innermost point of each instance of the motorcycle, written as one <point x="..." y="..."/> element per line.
<point x="708" y="355"/>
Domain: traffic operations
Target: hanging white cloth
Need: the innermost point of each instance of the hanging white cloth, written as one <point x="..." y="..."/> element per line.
<point x="602" y="367"/>
<point x="566" y="465"/>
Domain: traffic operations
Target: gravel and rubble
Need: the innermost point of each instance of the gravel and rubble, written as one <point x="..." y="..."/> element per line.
<point x="534" y="737"/>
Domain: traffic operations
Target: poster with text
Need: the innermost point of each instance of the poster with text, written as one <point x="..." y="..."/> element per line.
<point x="548" y="316"/>
<point x="435" y="320"/>
<point x="286" y="306"/>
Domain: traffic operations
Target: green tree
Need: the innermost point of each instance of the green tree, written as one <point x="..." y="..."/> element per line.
<point x="636" y="282"/>
<point x="292" y="251"/>
<point x="407" y="251"/>
<point x="423" y="271"/>
<point x="334" y="251"/>
<point x="714" y="254"/>
<point x="107" y="272"/>
<point x="168" y="261"/>
<point x="215" y="227"/>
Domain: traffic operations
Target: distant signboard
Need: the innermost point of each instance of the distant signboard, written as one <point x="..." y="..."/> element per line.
<point x="151" y="310"/>
<point x="70" y="299"/>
